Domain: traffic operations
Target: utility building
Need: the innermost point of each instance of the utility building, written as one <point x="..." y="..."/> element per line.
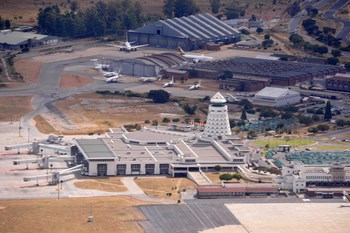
<point x="190" y="33"/>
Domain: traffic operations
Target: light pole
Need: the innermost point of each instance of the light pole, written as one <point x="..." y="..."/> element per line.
<point x="51" y="165"/>
<point x="28" y="134"/>
<point x="58" y="189"/>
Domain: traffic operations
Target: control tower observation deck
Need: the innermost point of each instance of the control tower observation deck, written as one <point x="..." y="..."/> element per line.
<point x="218" y="124"/>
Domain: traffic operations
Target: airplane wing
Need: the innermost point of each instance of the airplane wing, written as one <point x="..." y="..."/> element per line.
<point x="139" y="46"/>
<point x="117" y="46"/>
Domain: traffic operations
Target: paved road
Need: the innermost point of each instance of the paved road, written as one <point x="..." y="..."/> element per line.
<point x="329" y="14"/>
<point x="295" y="21"/>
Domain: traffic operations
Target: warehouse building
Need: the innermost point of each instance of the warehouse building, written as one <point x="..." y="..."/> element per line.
<point x="281" y="73"/>
<point x="276" y="97"/>
<point x="21" y="40"/>
<point x="338" y="82"/>
<point x="167" y="152"/>
<point x="190" y="32"/>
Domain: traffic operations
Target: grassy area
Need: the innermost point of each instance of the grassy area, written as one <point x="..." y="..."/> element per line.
<point x="159" y="187"/>
<point x="273" y="143"/>
<point x="214" y="177"/>
<point x="111" y="214"/>
<point x="331" y="147"/>
<point x="43" y="126"/>
<point x="110" y="184"/>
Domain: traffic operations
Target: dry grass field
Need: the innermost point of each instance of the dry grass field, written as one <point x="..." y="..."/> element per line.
<point x="25" y="11"/>
<point x="159" y="187"/>
<point x="109" y="184"/>
<point x="111" y="214"/>
<point x="14" y="107"/>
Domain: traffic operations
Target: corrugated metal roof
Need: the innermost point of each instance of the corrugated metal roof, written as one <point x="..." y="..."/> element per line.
<point x="15" y="38"/>
<point x="275" y="92"/>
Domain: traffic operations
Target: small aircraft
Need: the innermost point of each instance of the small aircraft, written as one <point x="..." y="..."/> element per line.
<point x="99" y="66"/>
<point x="113" y="79"/>
<point x="169" y="84"/>
<point x="231" y="99"/>
<point x="195" y="58"/>
<point x="195" y="86"/>
<point x="127" y="47"/>
<point x="108" y="74"/>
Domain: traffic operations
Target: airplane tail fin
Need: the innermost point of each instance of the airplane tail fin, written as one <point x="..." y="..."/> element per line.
<point x="346" y="196"/>
<point x="181" y="51"/>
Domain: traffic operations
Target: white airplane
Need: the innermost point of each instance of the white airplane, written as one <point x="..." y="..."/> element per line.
<point x="169" y="84"/>
<point x="99" y="66"/>
<point x="113" y="79"/>
<point x="346" y="197"/>
<point x="231" y="99"/>
<point x="108" y="74"/>
<point x="195" y="58"/>
<point x="195" y="86"/>
<point x="151" y="79"/>
<point x="127" y="47"/>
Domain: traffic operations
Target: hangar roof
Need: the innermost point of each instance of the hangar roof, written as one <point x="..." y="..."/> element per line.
<point x="15" y="38"/>
<point x="198" y="27"/>
<point x="275" y="92"/>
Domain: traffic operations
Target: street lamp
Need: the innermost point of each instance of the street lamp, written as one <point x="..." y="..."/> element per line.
<point x="51" y="165"/>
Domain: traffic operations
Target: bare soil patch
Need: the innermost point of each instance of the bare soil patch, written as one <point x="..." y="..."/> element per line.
<point x="111" y="184"/>
<point x="160" y="187"/>
<point x="73" y="80"/>
<point x="29" y="69"/>
<point x="94" y="113"/>
<point x="14" y="107"/>
<point x="111" y="214"/>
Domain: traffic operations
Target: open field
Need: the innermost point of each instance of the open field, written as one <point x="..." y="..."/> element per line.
<point x="111" y="214"/>
<point x="159" y="187"/>
<point x="25" y="11"/>
<point x="338" y="147"/>
<point x="110" y="184"/>
<point x="14" y="107"/>
<point x="273" y="143"/>
<point x="72" y="80"/>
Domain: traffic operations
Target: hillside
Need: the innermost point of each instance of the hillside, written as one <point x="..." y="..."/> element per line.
<point x="25" y="11"/>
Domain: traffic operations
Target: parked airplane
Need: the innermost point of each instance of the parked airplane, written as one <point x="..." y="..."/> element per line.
<point x="108" y="74"/>
<point x="127" y="47"/>
<point x="346" y="197"/>
<point x="169" y="84"/>
<point x="113" y="79"/>
<point x="99" y="66"/>
<point x="195" y="86"/>
<point x="195" y="58"/>
<point x="150" y="79"/>
<point x="231" y="99"/>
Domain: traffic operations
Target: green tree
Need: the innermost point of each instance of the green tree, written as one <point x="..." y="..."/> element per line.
<point x="328" y="111"/>
<point x="190" y="110"/>
<point x="305" y="120"/>
<point x="312" y="130"/>
<point x="322" y="127"/>
<point x="267" y="36"/>
<point x="225" y="176"/>
<point x="347" y="66"/>
<point x="7" y="24"/>
<point x="232" y="123"/>
<point x="340" y="122"/>
<point x="215" y="6"/>
<point x="232" y="11"/>
<point x="315" y="117"/>
<point x="267" y="43"/>
<point x="336" y="53"/>
<point x="237" y="176"/>
<point x="259" y="30"/>
<point x="74" y="6"/>
<point x="185" y="8"/>
<point x="332" y="60"/>
<point x="169" y="8"/>
<point x="296" y="39"/>
<point x="159" y="96"/>
<point x="243" y="115"/>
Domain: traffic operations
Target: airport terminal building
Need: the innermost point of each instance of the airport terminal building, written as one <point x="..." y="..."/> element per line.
<point x="153" y="151"/>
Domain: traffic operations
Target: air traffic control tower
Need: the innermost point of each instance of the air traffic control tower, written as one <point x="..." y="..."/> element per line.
<point x="218" y="124"/>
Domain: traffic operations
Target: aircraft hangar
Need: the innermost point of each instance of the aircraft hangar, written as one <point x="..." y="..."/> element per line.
<point x="190" y="32"/>
<point x="148" y="66"/>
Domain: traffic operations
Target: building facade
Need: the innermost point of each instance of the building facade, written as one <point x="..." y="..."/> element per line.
<point x="276" y="97"/>
<point x="338" y="82"/>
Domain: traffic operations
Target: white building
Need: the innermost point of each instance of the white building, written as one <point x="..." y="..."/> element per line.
<point x="298" y="177"/>
<point x="155" y="151"/>
<point x="218" y="124"/>
<point x="276" y="97"/>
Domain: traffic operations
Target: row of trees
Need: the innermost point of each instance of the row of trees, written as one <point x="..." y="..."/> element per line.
<point x="98" y="20"/>
<point x="179" y="8"/>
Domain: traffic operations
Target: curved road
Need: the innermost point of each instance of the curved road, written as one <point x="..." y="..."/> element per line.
<point x="329" y="14"/>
